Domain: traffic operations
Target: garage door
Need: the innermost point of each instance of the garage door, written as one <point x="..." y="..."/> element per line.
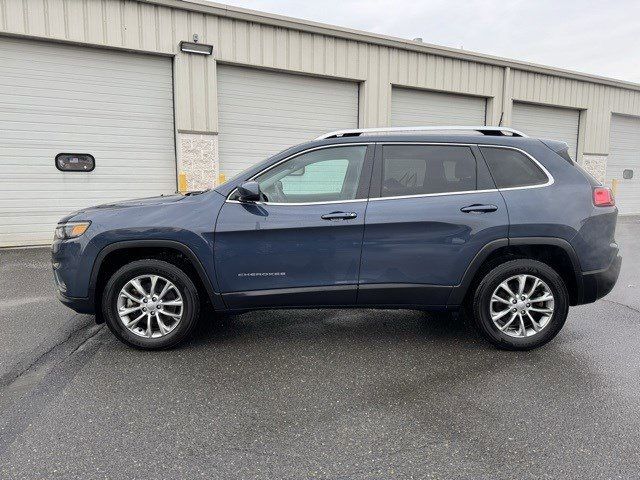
<point x="413" y="108"/>
<point x="552" y="123"/>
<point x="624" y="154"/>
<point x="56" y="98"/>
<point x="262" y="112"/>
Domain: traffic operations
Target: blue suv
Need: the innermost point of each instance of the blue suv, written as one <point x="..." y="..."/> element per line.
<point x="486" y="219"/>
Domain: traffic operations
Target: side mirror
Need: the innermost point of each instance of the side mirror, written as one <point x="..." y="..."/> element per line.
<point x="249" y="192"/>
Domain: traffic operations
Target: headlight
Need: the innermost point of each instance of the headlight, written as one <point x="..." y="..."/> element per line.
<point x="71" y="230"/>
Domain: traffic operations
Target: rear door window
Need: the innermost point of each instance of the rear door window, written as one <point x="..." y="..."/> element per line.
<point x="427" y="169"/>
<point x="511" y="168"/>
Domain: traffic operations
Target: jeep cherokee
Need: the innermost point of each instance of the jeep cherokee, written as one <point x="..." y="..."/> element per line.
<point x="507" y="227"/>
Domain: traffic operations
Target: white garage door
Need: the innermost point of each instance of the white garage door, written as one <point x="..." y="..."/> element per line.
<point x="56" y="98"/>
<point x="414" y="108"/>
<point x="262" y="112"/>
<point x="552" y="123"/>
<point x="625" y="155"/>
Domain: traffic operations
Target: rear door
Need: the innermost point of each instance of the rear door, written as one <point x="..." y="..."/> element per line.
<point x="301" y="245"/>
<point x="433" y="207"/>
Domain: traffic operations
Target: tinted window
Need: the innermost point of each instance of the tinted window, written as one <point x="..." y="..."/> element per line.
<point x="511" y="168"/>
<point x="422" y="169"/>
<point x="328" y="174"/>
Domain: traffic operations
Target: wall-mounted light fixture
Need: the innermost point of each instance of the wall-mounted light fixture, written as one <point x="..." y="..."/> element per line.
<point x="198" y="48"/>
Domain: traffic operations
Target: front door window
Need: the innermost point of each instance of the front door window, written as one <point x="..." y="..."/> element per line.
<point x="324" y="175"/>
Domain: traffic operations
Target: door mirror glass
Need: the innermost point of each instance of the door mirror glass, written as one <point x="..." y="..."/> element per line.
<point x="249" y="192"/>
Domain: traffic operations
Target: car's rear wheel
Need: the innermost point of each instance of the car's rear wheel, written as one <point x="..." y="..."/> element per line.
<point x="150" y="304"/>
<point x="520" y="304"/>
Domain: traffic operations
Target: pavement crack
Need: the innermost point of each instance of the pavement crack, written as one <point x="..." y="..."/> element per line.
<point x="75" y="339"/>
<point x="622" y="305"/>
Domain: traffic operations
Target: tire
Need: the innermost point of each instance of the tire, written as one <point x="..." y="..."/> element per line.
<point x="181" y="300"/>
<point x="534" y="334"/>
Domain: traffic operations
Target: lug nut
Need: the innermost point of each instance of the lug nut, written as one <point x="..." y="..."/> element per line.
<point x="154" y="298"/>
<point x="144" y="309"/>
<point x="514" y="310"/>
<point x="522" y="312"/>
<point x="514" y="301"/>
<point x="522" y="297"/>
<point x="145" y="300"/>
<point x="159" y="307"/>
<point x="528" y="305"/>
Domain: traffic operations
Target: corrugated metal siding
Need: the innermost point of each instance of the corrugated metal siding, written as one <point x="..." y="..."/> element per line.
<point x="141" y="26"/>
<point x="116" y="106"/>
<point x="597" y="100"/>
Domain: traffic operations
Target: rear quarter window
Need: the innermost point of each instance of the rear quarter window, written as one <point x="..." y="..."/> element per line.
<point x="512" y="168"/>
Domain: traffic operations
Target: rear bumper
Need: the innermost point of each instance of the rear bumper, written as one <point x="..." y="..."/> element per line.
<point x="598" y="284"/>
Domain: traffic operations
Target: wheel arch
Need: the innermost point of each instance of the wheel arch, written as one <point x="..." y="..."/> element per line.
<point x="117" y="254"/>
<point x="555" y="252"/>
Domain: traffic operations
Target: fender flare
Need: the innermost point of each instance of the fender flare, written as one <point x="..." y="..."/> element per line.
<point x="459" y="291"/>
<point x="130" y="244"/>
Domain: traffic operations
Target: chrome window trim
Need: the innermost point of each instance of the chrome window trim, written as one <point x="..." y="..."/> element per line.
<point x="550" y="179"/>
<point x="328" y="202"/>
<point x="358" y="144"/>
<point x="420" y="195"/>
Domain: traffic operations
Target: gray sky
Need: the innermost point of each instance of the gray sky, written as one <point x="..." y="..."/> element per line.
<point x="598" y="37"/>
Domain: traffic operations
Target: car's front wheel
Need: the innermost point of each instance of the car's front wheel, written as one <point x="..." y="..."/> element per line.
<point x="150" y="304"/>
<point x="520" y="304"/>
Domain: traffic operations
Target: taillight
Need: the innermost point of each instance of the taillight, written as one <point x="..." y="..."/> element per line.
<point x="602" y="197"/>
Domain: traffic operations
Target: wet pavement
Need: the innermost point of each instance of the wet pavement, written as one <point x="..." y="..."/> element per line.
<point x="318" y="394"/>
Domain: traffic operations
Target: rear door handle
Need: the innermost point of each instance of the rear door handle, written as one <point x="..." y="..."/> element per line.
<point x="477" y="208"/>
<point x="339" y="216"/>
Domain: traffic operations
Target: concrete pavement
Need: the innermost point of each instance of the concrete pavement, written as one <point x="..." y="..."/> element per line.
<point x="334" y="394"/>
<point x="32" y="320"/>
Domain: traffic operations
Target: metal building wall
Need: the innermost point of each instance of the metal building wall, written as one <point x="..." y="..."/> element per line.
<point x="262" y="41"/>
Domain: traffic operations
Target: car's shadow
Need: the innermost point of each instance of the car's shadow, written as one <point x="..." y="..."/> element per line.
<point x="347" y="325"/>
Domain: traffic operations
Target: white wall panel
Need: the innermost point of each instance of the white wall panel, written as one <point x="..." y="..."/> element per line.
<point x="416" y="108"/>
<point x="625" y="154"/>
<point x="552" y="123"/>
<point x="262" y="113"/>
<point x="65" y="99"/>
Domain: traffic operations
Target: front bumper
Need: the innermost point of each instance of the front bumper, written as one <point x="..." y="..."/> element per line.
<point x="598" y="284"/>
<point x="66" y="258"/>
<point x="80" y="305"/>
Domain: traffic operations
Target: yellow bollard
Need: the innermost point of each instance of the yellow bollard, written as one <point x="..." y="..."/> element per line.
<point x="614" y="186"/>
<point x="221" y="178"/>
<point x="182" y="182"/>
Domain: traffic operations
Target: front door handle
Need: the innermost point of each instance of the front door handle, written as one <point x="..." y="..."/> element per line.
<point x="339" y="216"/>
<point x="477" y="208"/>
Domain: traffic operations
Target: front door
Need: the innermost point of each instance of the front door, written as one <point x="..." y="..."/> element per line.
<point x="301" y="245"/>
<point x="433" y="208"/>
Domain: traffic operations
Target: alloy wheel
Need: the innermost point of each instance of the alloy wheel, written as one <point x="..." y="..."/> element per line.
<point x="521" y="306"/>
<point x="150" y="306"/>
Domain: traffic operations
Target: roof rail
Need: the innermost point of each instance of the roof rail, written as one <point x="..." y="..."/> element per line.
<point x="354" y="132"/>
